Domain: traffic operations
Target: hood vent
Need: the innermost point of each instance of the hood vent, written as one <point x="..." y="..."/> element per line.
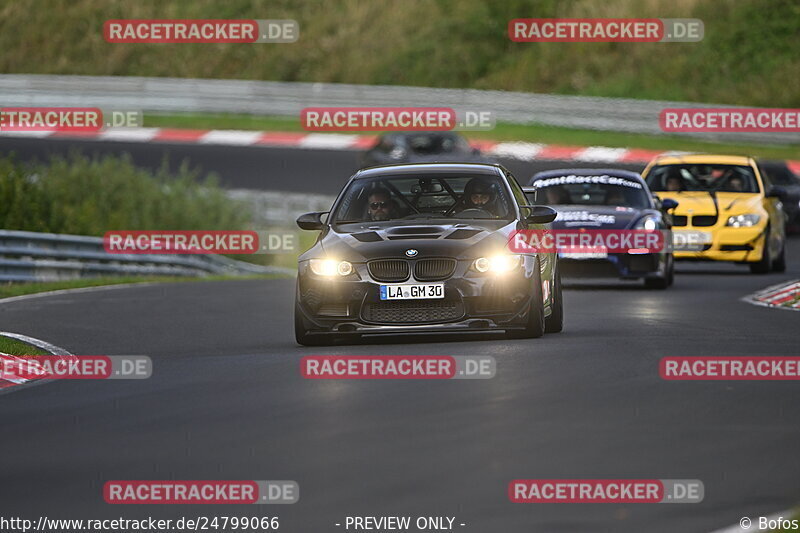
<point x="414" y="232"/>
<point x="463" y="234"/>
<point x="367" y="236"/>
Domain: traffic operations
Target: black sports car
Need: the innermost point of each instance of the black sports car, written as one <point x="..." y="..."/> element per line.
<point x="607" y="199"/>
<point x="779" y="173"/>
<point x="424" y="248"/>
<point x="422" y="147"/>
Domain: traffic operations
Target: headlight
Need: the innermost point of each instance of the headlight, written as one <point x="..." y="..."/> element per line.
<point x="397" y="153"/>
<point x="743" y="221"/>
<point x="648" y="223"/>
<point x="497" y="264"/>
<point x="330" y="267"/>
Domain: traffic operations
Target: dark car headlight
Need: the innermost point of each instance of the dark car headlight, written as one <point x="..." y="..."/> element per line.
<point x="497" y="264"/>
<point x="331" y="268"/>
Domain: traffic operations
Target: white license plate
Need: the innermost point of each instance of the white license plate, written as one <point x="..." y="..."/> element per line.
<point x="583" y="255"/>
<point x="684" y="238"/>
<point x="428" y="291"/>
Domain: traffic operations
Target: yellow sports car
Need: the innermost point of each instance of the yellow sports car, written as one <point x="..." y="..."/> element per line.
<point x="727" y="209"/>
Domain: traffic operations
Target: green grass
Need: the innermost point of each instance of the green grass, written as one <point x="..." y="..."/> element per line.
<point x="749" y="54"/>
<point x="8" y="290"/>
<point x="502" y="132"/>
<point x="15" y="347"/>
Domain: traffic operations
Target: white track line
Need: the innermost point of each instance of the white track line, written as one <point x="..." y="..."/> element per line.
<point x="78" y="290"/>
<point x="44" y="345"/>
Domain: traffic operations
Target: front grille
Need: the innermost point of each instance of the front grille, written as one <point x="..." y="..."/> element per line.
<point x="388" y="270"/>
<point x="679" y="220"/>
<point x="412" y="312"/>
<point x="434" y="269"/>
<point x="704" y="220"/>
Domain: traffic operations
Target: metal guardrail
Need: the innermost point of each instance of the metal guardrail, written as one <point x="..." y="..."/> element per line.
<point x="279" y="208"/>
<point x="289" y="98"/>
<point x="30" y="256"/>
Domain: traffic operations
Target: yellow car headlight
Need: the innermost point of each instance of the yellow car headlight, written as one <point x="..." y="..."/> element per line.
<point x="743" y="221"/>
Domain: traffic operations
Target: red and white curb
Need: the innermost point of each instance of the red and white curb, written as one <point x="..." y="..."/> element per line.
<point x="784" y="295"/>
<point x="524" y="151"/>
<point x="6" y="384"/>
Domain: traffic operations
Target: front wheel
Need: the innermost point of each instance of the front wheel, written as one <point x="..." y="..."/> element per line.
<point x="779" y="265"/>
<point x="662" y="282"/>
<point x="555" y="322"/>
<point x="301" y="334"/>
<point x="535" y="326"/>
<point x="763" y="265"/>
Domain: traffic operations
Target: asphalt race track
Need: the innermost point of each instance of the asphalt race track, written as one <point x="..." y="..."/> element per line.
<point x="226" y="401"/>
<point x="248" y="167"/>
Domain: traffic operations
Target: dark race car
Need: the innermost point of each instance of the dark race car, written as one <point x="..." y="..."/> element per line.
<point x="788" y="183"/>
<point x="606" y="199"/>
<point x="422" y="147"/>
<point x="423" y="248"/>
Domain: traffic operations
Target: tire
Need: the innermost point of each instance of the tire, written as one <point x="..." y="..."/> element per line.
<point x="534" y="327"/>
<point x="664" y="281"/>
<point x="301" y="334"/>
<point x="779" y="264"/>
<point x="555" y="322"/>
<point x="763" y="265"/>
<point x="671" y="272"/>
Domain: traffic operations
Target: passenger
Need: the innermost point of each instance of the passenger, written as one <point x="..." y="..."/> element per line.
<point x="479" y="194"/>
<point x="736" y="184"/>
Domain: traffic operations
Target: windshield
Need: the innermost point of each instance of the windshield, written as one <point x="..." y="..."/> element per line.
<point x="709" y="178"/>
<point x="433" y="144"/>
<point x="591" y="190"/>
<point x="408" y="197"/>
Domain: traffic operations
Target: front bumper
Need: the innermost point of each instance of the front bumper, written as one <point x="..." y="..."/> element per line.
<point x="738" y="245"/>
<point x="472" y="302"/>
<point x="623" y="266"/>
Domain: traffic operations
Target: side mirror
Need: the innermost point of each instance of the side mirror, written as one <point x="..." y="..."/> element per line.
<point x="540" y="214"/>
<point x="668" y="204"/>
<point x="311" y="221"/>
<point x="776" y="191"/>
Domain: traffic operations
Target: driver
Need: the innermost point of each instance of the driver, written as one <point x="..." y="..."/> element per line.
<point x="479" y="193"/>
<point x="380" y="205"/>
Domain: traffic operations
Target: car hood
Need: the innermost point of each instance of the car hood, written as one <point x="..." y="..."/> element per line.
<point x="370" y="240"/>
<point x="596" y="216"/>
<point x="701" y="203"/>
